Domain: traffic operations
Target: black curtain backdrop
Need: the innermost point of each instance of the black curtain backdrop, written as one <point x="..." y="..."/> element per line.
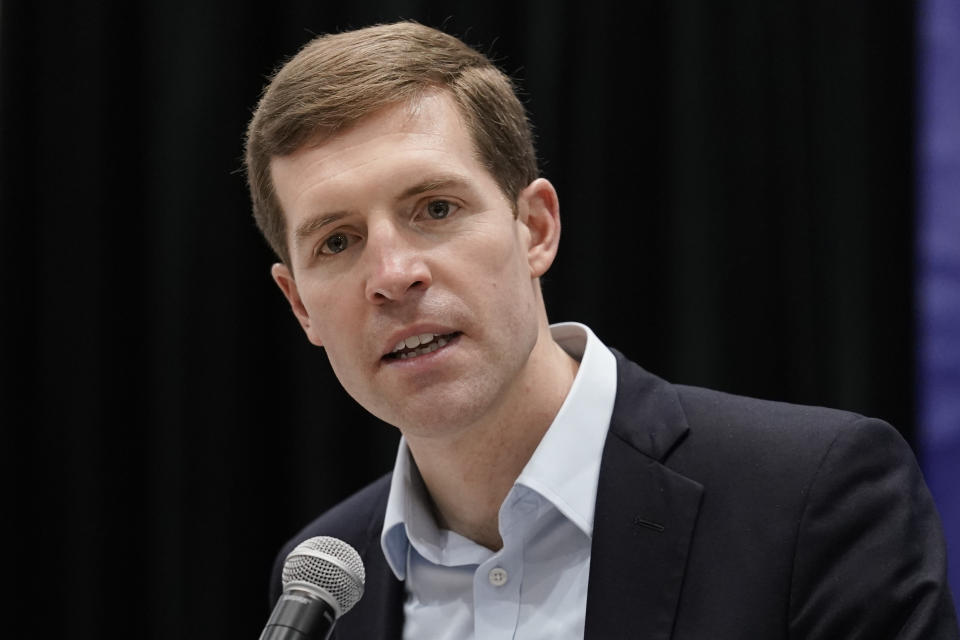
<point x="736" y="193"/>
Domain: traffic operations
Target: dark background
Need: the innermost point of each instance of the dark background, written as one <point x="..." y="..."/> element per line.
<point x="736" y="187"/>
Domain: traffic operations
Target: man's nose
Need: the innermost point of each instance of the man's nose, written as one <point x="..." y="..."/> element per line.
<point x="396" y="266"/>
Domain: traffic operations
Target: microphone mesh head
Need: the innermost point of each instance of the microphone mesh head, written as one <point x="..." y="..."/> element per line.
<point x="330" y="564"/>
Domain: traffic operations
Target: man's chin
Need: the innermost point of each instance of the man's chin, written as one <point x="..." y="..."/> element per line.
<point x="432" y="414"/>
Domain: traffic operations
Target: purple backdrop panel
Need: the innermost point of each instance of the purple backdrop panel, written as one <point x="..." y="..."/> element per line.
<point x="938" y="255"/>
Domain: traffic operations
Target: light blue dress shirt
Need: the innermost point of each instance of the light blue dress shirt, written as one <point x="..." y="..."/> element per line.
<point x="535" y="587"/>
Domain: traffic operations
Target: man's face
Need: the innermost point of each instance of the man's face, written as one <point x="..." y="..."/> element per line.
<point x="397" y="234"/>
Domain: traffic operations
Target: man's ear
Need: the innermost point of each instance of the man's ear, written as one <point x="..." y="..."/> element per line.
<point x="284" y="279"/>
<point x="539" y="209"/>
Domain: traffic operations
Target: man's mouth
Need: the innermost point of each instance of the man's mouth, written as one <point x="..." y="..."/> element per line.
<point x="420" y="345"/>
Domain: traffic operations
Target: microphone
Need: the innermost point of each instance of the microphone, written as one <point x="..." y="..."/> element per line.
<point x="322" y="580"/>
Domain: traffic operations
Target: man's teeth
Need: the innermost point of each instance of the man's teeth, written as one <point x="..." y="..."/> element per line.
<point x="428" y="342"/>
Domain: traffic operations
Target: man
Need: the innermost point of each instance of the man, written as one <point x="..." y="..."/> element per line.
<point x="546" y="486"/>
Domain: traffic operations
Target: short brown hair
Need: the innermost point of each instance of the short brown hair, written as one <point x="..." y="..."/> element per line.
<point x="336" y="80"/>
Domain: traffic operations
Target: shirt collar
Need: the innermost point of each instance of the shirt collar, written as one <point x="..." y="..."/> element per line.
<point x="564" y="468"/>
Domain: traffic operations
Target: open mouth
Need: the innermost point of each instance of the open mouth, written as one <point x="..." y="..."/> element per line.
<point x="420" y="345"/>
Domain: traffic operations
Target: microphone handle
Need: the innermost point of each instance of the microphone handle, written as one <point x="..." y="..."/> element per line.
<point x="300" y="615"/>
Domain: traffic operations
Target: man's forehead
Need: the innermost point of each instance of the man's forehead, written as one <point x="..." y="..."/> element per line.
<point x="426" y="114"/>
<point x="433" y="121"/>
<point x="430" y="126"/>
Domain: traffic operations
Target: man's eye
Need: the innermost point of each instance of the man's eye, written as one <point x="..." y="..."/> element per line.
<point x="335" y="243"/>
<point x="439" y="209"/>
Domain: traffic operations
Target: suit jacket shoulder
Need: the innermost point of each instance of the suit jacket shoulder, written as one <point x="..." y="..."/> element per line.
<point x="725" y="517"/>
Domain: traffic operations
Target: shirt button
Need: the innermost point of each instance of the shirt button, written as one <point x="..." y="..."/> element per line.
<point x="498" y="577"/>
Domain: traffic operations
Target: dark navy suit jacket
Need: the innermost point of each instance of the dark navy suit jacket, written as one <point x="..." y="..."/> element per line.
<point x="722" y="517"/>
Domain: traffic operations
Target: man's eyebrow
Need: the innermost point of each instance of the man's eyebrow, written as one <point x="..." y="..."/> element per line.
<point x="434" y="183"/>
<point x="309" y="226"/>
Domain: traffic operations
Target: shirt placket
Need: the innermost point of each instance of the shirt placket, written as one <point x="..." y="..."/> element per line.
<point x="496" y="591"/>
<point x="497" y="582"/>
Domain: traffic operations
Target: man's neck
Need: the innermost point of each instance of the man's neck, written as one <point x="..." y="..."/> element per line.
<point x="468" y="475"/>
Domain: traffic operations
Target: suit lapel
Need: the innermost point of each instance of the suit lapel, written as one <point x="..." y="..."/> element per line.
<point x="379" y="613"/>
<point x="381" y="617"/>
<point x="645" y="514"/>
